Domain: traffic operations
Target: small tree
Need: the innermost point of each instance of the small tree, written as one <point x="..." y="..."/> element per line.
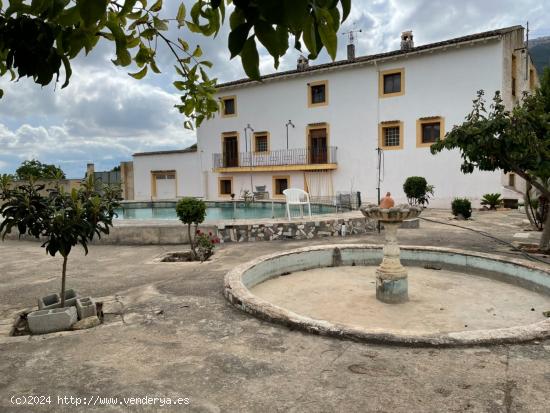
<point x="417" y="190"/>
<point x="191" y="211"/>
<point x="512" y="141"/>
<point x="63" y="219"/>
<point x="35" y="169"/>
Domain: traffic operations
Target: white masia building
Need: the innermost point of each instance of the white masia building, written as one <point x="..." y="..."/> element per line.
<point x="320" y="128"/>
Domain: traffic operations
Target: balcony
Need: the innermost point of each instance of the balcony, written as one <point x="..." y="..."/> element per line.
<point x="297" y="159"/>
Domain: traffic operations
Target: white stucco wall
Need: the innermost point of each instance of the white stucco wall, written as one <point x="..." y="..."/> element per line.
<point x="441" y="83"/>
<point x="186" y="165"/>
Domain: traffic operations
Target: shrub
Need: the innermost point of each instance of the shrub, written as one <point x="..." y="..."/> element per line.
<point x="191" y="211"/>
<point x="462" y="206"/>
<point x="491" y="200"/>
<point x="205" y="244"/>
<point x="417" y="190"/>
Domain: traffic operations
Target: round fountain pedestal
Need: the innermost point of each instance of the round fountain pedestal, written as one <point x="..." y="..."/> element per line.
<point x="391" y="277"/>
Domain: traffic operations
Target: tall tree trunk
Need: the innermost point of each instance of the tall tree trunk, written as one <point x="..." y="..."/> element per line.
<point x="191" y="241"/>
<point x="544" y="244"/>
<point x="527" y="204"/>
<point x="63" y="275"/>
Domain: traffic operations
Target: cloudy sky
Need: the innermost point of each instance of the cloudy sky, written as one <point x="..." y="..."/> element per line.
<point x="104" y="115"/>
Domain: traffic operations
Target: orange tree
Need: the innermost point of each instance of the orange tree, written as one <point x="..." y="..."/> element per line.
<point x="62" y="219"/>
<point x="38" y="37"/>
<point x="516" y="140"/>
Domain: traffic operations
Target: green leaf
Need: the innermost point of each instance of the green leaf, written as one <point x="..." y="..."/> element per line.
<point x="282" y="38"/>
<point x="148" y="33"/>
<point x="193" y="27"/>
<point x="237" y="39"/>
<point x="139" y="75"/>
<point x="160" y="24"/>
<point x="184" y="44"/>
<point x="268" y="37"/>
<point x="309" y="36"/>
<point x="157" y="6"/>
<point x="250" y="59"/>
<point x="236" y="19"/>
<point x="128" y="7"/>
<point x="69" y="17"/>
<point x="326" y="32"/>
<point x="346" y="8"/>
<point x="197" y="52"/>
<point x="1" y="91"/>
<point x="92" y="10"/>
<point x="154" y="67"/>
<point x="68" y="70"/>
<point x="180" y="16"/>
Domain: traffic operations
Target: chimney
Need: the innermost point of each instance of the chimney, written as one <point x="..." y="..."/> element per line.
<point x="303" y="63"/>
<point x="407" y="42"/>
<point x="351" y="51"/>
<point x="90" y="169"/>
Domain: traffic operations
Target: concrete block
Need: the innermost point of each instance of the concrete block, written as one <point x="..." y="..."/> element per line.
<point x="85" y="307"/>
<point x="54" y="301"/>
<point x="49" y="301"/>
<point x="52" y="320"/>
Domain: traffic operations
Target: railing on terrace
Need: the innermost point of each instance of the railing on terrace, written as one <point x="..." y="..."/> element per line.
<point x="281" y="157"/>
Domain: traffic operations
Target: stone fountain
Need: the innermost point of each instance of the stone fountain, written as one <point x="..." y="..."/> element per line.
<point x="391" y="277"/>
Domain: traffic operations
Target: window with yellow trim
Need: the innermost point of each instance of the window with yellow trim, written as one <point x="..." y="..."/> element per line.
<point x="391" y="135"/>
<point x="229" y="106"/>
<point x="226" y="186"/>
<point x="261" y="142"/>
<point x="280" y="183"/>
<point x="392" y="83"/>
<point x="429" y="130"/>
<point x="318" y="93"/>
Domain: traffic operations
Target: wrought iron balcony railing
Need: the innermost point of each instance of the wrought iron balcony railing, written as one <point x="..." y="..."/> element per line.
<point x="281" y="157"/>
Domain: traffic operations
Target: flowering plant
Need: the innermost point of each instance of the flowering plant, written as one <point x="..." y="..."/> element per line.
<point x="205" y="243"/>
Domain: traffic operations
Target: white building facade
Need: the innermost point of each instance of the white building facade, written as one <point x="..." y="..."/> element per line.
<point x="334" y="127"/>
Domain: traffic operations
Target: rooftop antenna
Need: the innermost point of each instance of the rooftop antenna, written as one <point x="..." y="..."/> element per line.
<point x="351" y="35"/>
<point x="351" y="42"/>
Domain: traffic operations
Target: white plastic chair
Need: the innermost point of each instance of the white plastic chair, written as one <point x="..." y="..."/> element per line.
<point x="295" y="196"/>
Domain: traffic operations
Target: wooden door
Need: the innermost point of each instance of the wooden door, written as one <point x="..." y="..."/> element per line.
<point x="318" y="146"/>
<point x="230" y="151"/>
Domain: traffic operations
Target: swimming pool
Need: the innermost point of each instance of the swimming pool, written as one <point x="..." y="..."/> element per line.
<point x="216" y="211"/>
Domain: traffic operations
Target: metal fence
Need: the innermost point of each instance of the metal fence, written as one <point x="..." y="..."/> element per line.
<point x="295" y="156"/>
<point x="342" y="201"/>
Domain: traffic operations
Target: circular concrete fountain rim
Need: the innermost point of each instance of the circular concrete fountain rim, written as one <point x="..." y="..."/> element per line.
<point x="240" y="296"/>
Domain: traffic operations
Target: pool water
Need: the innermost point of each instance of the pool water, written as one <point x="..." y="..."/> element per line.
<point x="224" y="212"/>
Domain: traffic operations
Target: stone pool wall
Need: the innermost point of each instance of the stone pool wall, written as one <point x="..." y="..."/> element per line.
<point x="294" y="230"/>
<point x="173" y="232"/>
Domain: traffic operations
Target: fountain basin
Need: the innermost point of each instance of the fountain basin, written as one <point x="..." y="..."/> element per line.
<point x="242" y="286"/>
<point x="397" y="213"/>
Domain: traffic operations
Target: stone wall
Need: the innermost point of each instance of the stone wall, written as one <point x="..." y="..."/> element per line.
<point x="176" y="233"/>
<point x="294" y="230"/>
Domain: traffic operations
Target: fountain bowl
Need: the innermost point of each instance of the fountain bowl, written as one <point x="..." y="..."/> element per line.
<point x="397" y="213"/>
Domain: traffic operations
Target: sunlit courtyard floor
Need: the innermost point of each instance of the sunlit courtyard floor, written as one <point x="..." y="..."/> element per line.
<point x="171" y="333"/>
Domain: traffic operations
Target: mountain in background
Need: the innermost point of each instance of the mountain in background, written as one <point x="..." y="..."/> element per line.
<point x="540" y="52"/>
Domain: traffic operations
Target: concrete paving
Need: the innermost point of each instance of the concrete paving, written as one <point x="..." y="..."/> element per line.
<point x="170" y="332"/>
